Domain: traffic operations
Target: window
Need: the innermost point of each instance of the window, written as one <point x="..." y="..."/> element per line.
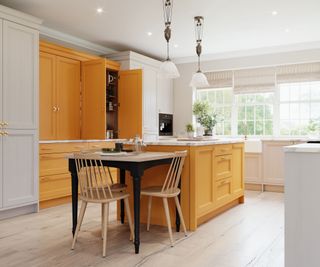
<point x="255" y="114"/>
<point x="221" y="101"/>
<point x="299" y="107"/>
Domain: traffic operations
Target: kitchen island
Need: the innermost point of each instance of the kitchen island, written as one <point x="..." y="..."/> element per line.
<point x="212" y="180"/>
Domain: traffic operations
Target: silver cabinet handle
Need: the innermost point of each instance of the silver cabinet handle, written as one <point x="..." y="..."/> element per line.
<point x="1" y="124"/>
<point x="58" y="108"/>
<point x="5" y="133"/>
<point x="1" y="133"/>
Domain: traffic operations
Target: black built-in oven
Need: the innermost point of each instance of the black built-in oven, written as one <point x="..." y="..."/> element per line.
<point x="165" y="124"/>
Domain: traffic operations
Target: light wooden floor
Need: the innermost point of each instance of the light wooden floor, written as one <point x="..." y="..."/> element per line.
<point x="248" y="235"/>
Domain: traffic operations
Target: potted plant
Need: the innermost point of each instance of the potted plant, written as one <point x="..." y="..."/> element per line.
<point x="205" y="116"/>
<point x="189" y="130"/>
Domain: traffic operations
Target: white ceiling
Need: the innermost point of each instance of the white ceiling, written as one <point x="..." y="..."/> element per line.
<point x="230" y="25"/>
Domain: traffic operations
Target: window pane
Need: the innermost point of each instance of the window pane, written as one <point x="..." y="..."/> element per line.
<point x="211" y="97"/>
<point x="268" y="127"/>
<point x="259" y="128"/>
<point x="315" y="110"/>
<point x="219" y="95"/>
<point x="284" y="93"/>
<point x="241" y="128"/>
<point x="315" y="91"/>
<point x="304" y="92"/>
<point x="250" y="128"/>
<point x="294" y="92"/>
<point x="285" y="111"/>
<point x="202" y="95"/>
<point x="259" y="112"/>
<point x="294" y="111"/>
<point x="227" y="128"/>
<point x="241" y="99"/>
<point x="250" y="113"/>
<point x="227" y="94"/>
<point x="304" y="111"/>
<point x="269" y="112"/>
<point x="241" y="113"/>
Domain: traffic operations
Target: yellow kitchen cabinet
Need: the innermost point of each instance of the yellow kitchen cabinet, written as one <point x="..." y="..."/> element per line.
<point x="55" y="179"/>
<point x="59" y="97"/>
<point x="111" y="100"/>
<point x="203" y="196"/>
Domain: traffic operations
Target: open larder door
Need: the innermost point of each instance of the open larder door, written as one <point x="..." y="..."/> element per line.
<point x="93" y="109"/>
<point x="130" y="103"/>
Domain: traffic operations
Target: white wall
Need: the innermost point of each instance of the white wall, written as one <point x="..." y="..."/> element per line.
<point x="183" y="92"/>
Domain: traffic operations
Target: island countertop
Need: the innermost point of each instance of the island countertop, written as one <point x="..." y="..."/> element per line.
<point x="205" y="142"/>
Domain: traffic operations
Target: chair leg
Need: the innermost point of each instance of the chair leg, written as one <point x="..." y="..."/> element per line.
<point x="166" y="209"/>
<point x="126" y="203"/>
<point x="81" y="215"/>
<point x="105" y="230"/>
<point x="180" y="215"/>
<point x="102" y="218"/>
<point x="149" y="212"/>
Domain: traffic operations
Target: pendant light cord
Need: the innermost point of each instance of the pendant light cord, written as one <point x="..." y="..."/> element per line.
<point x="168" y="58"/>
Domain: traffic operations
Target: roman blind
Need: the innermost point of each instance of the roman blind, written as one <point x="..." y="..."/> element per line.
<point x="254" y="80"/>
<point x="219" y="79"/>
<point x="298" y="73"/>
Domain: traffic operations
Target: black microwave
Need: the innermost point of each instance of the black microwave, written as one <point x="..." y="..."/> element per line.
<point x="165" y="124"/>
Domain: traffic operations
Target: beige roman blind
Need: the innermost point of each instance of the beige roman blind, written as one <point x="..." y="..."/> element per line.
<point x="298" y="73"/>
<point x="256" y="80"/>
<point x="220" y="79"/>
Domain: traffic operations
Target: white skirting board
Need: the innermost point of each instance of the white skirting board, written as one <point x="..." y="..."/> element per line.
<point x="32" y="208"/>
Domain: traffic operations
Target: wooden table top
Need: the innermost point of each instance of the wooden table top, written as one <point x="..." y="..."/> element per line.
<point x="129" y="157"/>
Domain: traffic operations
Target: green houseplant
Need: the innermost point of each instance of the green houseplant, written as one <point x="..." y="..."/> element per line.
<point x="205" y="115"/>
<point x="189" y="130"/>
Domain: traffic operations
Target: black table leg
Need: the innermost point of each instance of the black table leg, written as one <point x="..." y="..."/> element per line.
<point x="122" y="181"/>
<point x="74" y="187"/>
<point x="136" y="202"/>
<point x="177" y="213"/>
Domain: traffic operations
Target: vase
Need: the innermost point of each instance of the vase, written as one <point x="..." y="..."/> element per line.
<point x="200" y="130"/>
<point x="190" y="134"/>
<point x="208" y="132"/>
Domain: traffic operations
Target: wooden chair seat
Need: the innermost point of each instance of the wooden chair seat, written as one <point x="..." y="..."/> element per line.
<point x="167" y="190"/>
<point x="94" y="187"/>
<point x="104" y="199"/>
<point x="156" y="191"/>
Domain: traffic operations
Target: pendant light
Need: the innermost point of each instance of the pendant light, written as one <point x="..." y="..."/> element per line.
<point x="168" y="69"/>
<point x="199" y="79"/>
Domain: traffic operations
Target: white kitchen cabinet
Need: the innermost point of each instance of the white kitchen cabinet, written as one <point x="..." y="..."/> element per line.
<point x="20" y="156"/>
<point x="165" y="95"/>
<point x="157" y="92"/>
<point x="19" y="75"/>
<point x="273" y="161"/>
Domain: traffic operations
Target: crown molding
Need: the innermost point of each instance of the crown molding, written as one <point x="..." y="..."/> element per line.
<point x="76" y="42"/>
<point x="19" y="17"/>
<point x="251" y="52"/>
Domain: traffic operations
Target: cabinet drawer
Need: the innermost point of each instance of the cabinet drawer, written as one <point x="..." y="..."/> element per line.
<point x="223" y="189"/>
<point x="62" y="147"/>
<point x="51" y="164"/>
<point x="223" y="167"/>
<point x="55" y="186"/>
<point x="223" y="149"/>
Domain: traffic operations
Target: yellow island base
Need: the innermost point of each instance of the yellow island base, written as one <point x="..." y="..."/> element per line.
<point x="212" y="181"/>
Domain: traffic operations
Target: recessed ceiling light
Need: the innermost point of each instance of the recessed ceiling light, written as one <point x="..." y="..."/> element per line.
<point x="99" y="10"/>
<point x="175" y="45"/>
<point x="149" y="33"/>
<point x="274" y="13"/>
<point x="287" y="30"/>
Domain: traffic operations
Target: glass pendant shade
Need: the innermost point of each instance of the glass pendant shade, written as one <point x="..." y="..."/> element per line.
<point x="168" y="70"/>
<point x="199" y="80"/>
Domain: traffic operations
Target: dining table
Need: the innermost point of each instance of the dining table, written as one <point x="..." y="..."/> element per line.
<point x="135" y="164"/>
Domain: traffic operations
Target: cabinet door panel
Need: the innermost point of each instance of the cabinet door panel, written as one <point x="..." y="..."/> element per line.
<point x="20" y="167"/>
<point x="238" y="172"/>
<point x="93" y="99"/>
<point x="68" y="96"/>
<point x="20" y="76"/>
<point x="205" y="185"/>
<point x="1" y="162"/>
<point x="130" y="99"/>
<point x="150" y="112"/>
<point x="48" y="103"/>
<point x="1" y="98"/>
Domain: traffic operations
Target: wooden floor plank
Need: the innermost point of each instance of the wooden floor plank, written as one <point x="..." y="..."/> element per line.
<point x="249" y="235"/>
